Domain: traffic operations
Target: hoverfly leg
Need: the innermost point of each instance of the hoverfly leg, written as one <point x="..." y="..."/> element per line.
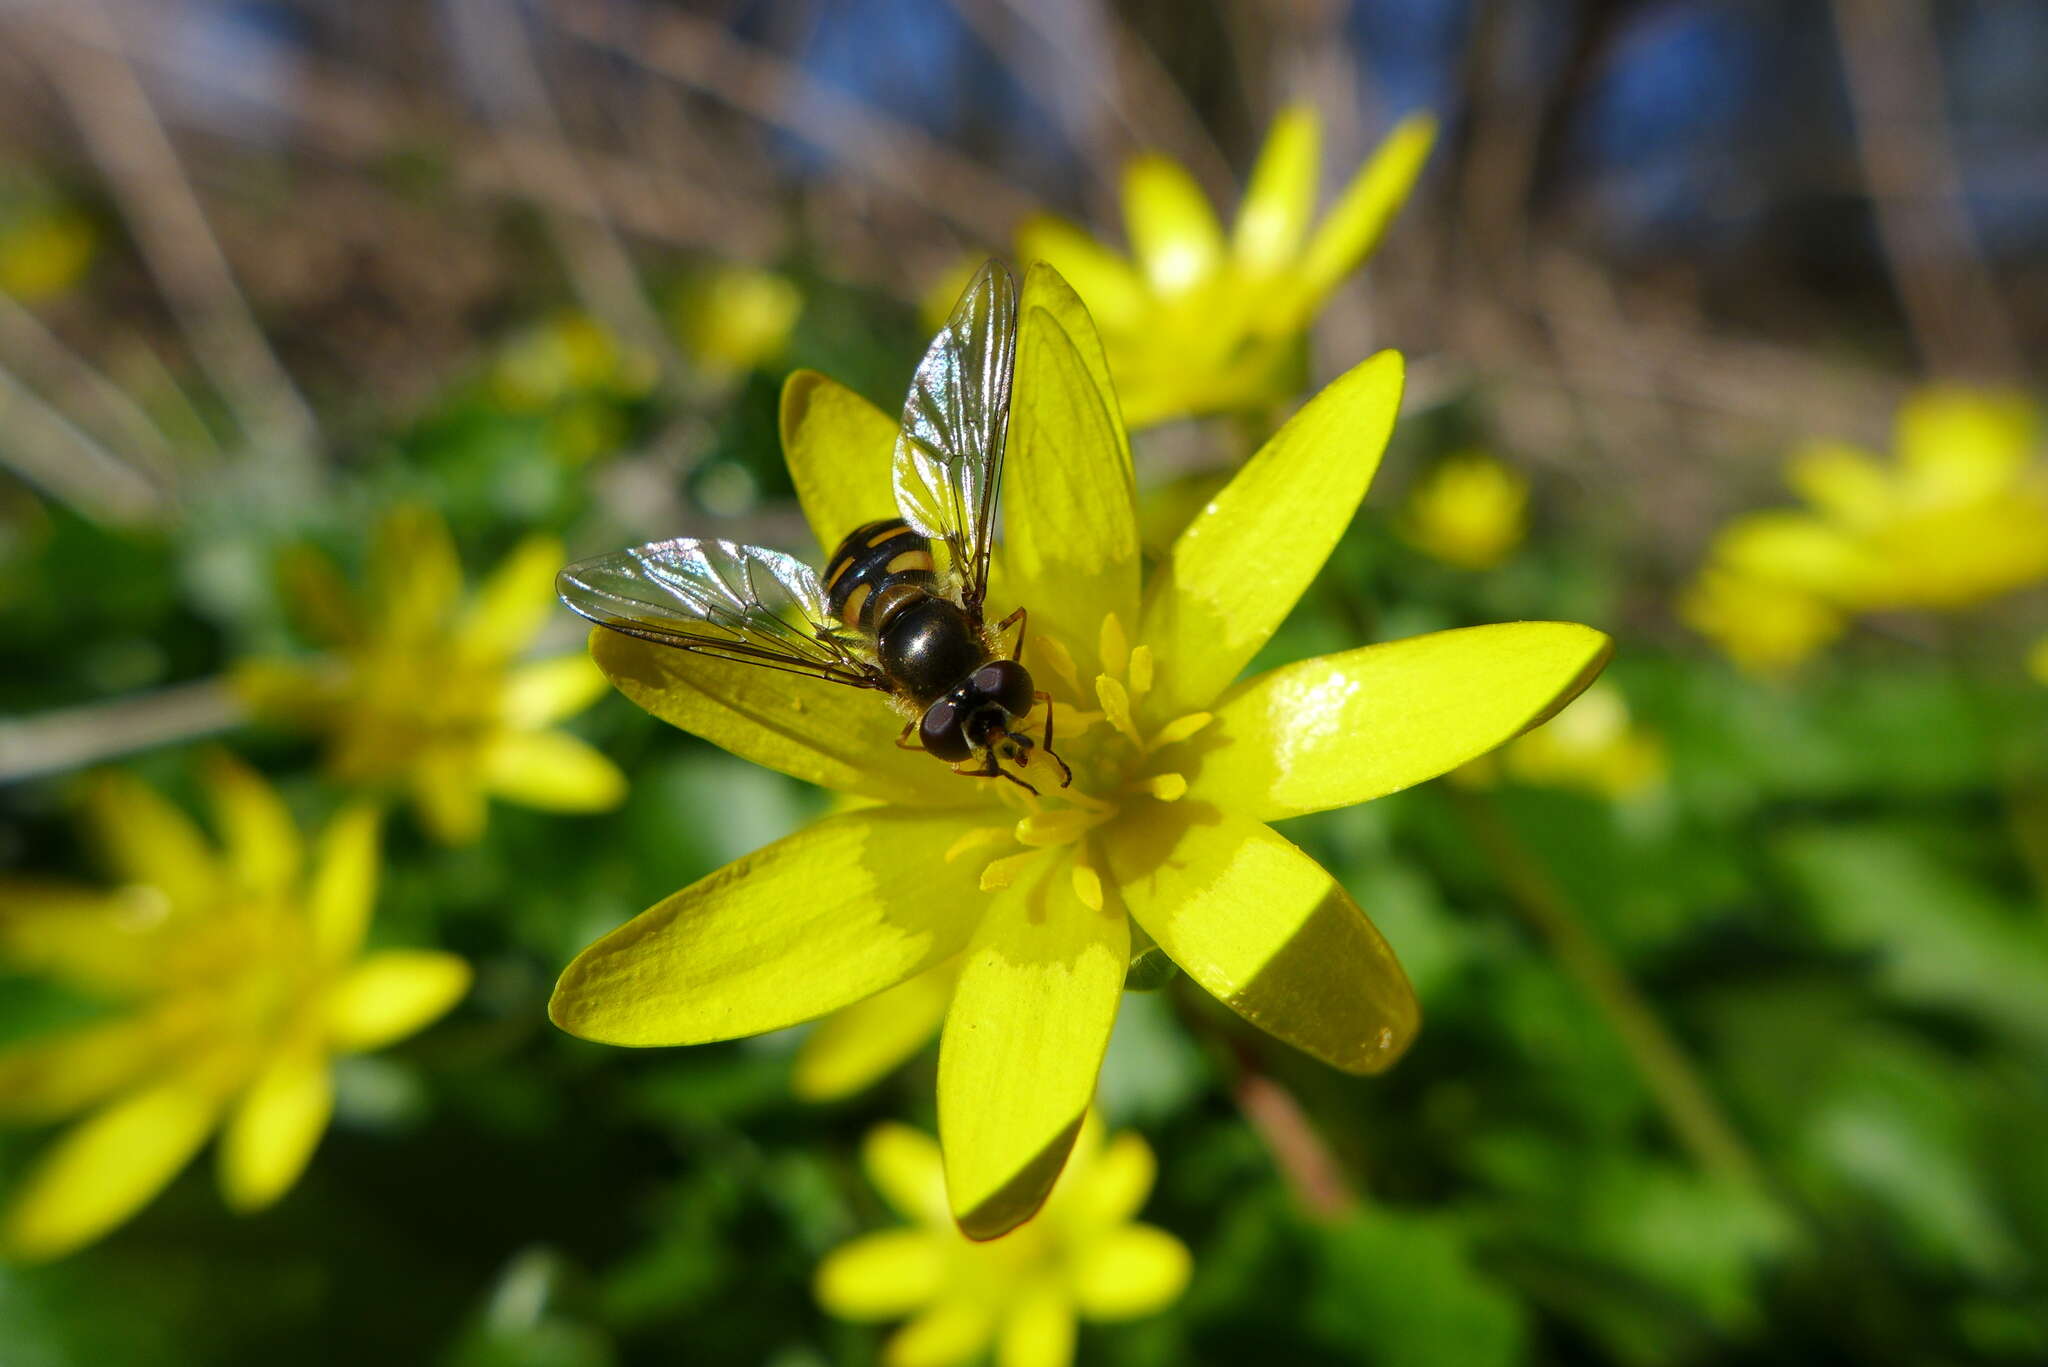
<point x="1023" y="621"/>
<point x="1066" y="774"/>
<point x="995" y="770"/>
<point x="904" y="735"/>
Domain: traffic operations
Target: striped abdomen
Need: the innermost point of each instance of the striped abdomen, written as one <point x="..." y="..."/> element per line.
<point x="873" y="559"/>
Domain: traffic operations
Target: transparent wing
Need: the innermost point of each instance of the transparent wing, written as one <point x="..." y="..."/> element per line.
<point x="948" y="468"/>
<point x="720" y="598"/>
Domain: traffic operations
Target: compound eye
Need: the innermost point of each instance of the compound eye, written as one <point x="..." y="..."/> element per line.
<point x="1006" y="683"/>
<point x="940" y="731"/>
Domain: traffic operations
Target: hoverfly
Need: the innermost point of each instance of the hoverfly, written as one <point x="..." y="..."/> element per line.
<point x="888" y="614"/>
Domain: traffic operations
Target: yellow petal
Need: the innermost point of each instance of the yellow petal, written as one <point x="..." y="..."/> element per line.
<point x="257" y="828"/>
<point x="824" y="733"/>
<point x="150" y="841"/>
<point x="274" y="1128"/>
<point x="1265" y="930"/>
<point x="1961" y="444"/>
<point x="552" y="770"/>
<point x="1115" y="1184"/>
<point x="448" y="794"/>
<point x="1112" y="290"/>
<point x="1848" y="484"/>
<point x="514" y="603"/>
<point x="343" y="891"/>
<point x="882" y="1276"/>
<point x="1282" y="195"/>
<point x="51" y="1077"/>
<point x="391" y="994"/>
<point x="1070" y="510"/>
<point x="947" y="1335"/>
<point x="1174" y="235"/>
<point x="1351" y="727"/>
<point x="905" y="1166"/>
<point x="1038" y="1331"/>
<point x="1764" y="627"/>
<point x="107" y="942"/>
<point x="544" y="692"/>
<point x="856" y="1045"/>
<point x="1798" y="551"/>
<point x="832" y="914"/>
<point x="1134" y="1271"/>
<point x="1355" y="224"/>
<point x="415" y="574"/>
<point x="104" y="1169"/>
<point x="1023" y="1042"/>
<point x="839" y="448"/>
<point x="1236" y="570"/>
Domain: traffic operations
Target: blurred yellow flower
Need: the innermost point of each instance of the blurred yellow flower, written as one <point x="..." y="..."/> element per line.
<point x="1196" y="324"/>
<point x="1083" y="1256"/>
<point x="2037" y="660"/>
<point x="564" y="356"/>
<point x="1593" y="746"/>
<point x="1959" y="516"/>
<point x="734" y="318"/>
<point x="425" y="692"/>
<point x="238" y="973"/>
<point x="1470" y="511"/>
<point x="45" y="246"/>
<point x="1177" y="768"/>
<point x="1765" y="627"/>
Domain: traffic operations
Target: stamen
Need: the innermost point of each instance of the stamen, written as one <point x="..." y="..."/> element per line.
<point x="1180" y="728"/>
<point x="1141" y="671"/>
<point x="981" y="837"/>
<point x="1087" y="886"/>
<point x="1058" y="660"/>
<point x="1115" y="647"/>
<point x="1116" y="705"/>
<point x="1043" y="829"/>
<point x="1000" y="873"/>
<point x="1166" y="787"/>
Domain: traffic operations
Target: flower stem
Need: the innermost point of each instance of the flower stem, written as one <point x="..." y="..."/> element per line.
<point x="73" y="737"/>
<point x="1688" y="1104"/>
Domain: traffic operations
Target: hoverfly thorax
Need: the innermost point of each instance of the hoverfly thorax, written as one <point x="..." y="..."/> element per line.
<point x="891" y="612"/>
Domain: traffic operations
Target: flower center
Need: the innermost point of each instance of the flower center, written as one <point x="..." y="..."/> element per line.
<point x="1108" y="750"/>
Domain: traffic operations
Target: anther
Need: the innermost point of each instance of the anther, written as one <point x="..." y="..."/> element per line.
<point x="981" y="837"/>
<point x="1087" y="886"/>
<point x="1165" y="787"/>
<point x="1116" y="705"/>
<point x="1000" y="873"/>
<point x="1115" y="647"/>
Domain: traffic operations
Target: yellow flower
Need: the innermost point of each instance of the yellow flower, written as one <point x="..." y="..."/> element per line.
<point x="1470" y="511"/>
<point x="569" y="355"/>
<point x="45" y="245"/>
<point x="1593" y="746"/>
<point x="735" y="318"/>
<point x="1960" y="516"/>
<point x="425" y="692"/>
<point x="1177" y="768"/>
<point x="239" y="975"/>
<point x="1083" y="1256"/>
<point x="1197" y="324"/>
